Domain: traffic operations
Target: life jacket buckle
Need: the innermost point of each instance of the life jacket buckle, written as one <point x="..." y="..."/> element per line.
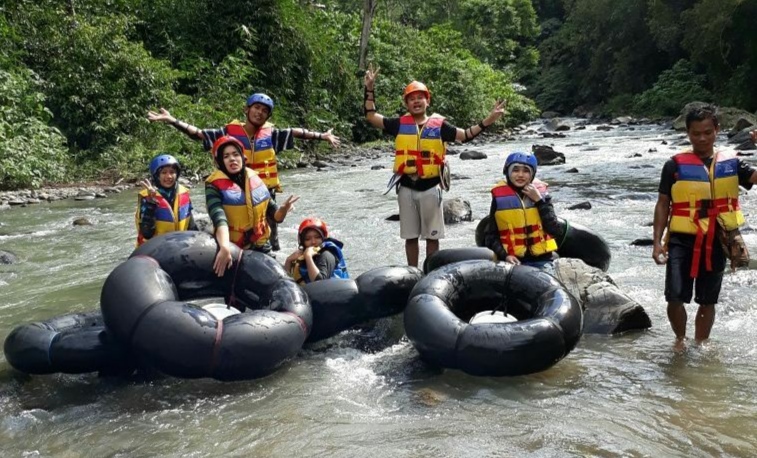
<point x="705" y="205"/>
<point x="426" y="154"/>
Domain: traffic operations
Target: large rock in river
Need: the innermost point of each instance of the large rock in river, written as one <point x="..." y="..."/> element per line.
<point x="6" y="257"/>
<point x="607" y="309"/>
<point x="741" y="124"/>
<point x="546" y="155"/>
<point x="558" y="125"/>
<point x="457" y="210"/>
<point x="742" y="136"/>
<point x="472" y="155"/>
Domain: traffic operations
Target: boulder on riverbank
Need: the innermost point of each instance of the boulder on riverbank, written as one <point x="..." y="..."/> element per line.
<point x="728" y="117"/>
<point x="24" y="197"/>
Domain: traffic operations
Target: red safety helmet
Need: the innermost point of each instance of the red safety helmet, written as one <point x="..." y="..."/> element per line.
<point x="313" y="223"/>
<point x="416" y="86"/>
<point x="223" y="141"/>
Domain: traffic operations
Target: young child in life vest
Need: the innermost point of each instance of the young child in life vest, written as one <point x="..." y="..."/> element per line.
<point x="319" y="257"/>
<point x="163" y="205"/>
<point x="239" y="204"/>
<point x="523" y="227"/>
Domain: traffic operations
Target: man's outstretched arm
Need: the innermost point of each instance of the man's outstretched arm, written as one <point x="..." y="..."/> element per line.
<point x="165" y="117"/>
<point x="464" y="135"/>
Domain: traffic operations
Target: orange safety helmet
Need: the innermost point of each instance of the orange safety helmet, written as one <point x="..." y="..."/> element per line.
<point x="313" y="223"/>
<point x="222" y="141"/>
<point x="416" y="86"/>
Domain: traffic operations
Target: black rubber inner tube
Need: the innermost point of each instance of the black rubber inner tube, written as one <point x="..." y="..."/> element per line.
<point x="72" y="344"/>
<point x="144" y="305"/>
<point x="339" y="304"/>
<point x="436" y="318"/>
<point x="450" y="255"/>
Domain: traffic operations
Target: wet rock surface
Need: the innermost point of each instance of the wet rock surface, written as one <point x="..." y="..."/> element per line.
<point x="607" y="309"/>
<point x="6" y="257"/>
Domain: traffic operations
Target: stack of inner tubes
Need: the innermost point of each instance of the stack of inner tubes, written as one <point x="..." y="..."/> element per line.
<point x="144" y="305"/>
<point x="151" y="323"/>
<point x="436" y="318"/>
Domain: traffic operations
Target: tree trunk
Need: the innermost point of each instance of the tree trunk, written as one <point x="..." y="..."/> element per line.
<point x="369" y="8"/>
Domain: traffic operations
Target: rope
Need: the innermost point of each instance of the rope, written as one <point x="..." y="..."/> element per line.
<point x="232" y="302"/>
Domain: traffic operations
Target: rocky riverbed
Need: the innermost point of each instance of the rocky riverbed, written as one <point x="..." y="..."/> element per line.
<point x="736" y="125"/>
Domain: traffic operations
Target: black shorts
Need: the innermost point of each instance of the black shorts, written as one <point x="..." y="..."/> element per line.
<point x="678" y="282"/>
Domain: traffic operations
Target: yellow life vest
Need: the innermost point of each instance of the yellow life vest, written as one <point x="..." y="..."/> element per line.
<point x="167" y="218"/>
<point x="245" y="209"/>
<point x="258" y="152"/>
<point x="702" y="198"/>
<point x="519" y="223"/>
<point x="701" y="195"/>
<point x="299" y="270"/>
<point x="419" y="152"/>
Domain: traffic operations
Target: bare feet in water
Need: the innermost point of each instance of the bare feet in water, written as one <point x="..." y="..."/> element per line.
<point x="679" y="345"/>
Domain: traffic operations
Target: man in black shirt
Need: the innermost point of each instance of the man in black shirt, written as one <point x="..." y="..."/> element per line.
<point x="696" y="196"/>
<point x="420" y="148"/>
<point x="257" y="111"/>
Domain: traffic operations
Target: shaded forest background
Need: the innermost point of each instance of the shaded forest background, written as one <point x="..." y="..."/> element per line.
<point x="77" y="76"/>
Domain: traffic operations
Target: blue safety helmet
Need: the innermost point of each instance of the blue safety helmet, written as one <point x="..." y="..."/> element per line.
<point x="519" y="157"/>
<point x="262" y="99"/>
<point x="161" y="161"/>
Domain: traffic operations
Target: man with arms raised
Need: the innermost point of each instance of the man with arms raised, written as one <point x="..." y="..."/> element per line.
<point x="260" y="139"/>
<point x="420" y="149"/>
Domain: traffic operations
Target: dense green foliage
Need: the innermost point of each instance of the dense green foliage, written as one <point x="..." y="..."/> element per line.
<point x="650" y="54"/>
<point x="674" y="88"/>
<point x="77" y="77"/>
<point x="30" y="151"/>
<point x="92" y="70"/>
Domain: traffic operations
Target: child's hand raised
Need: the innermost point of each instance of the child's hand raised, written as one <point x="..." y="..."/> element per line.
<point x="151" y="190"/>
<point x="532" y="193"/>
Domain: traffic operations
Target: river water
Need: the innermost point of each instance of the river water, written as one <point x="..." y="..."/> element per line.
<point x="627" y="395"/>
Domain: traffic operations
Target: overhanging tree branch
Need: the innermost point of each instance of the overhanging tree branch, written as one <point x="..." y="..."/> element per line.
<point x="369" y="8"/>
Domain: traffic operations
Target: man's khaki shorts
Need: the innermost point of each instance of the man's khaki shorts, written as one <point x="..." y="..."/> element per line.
<point x="421" y="213"/>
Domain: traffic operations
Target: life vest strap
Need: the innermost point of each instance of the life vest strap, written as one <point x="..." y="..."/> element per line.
<point x="267" y="174"/>
<point x="521" y="230"/>
<point x="513" y="242"/>
<point x="264" y="164"/>
<point x="706" y="240"/>
<point x="232" y="301"/>
<point x="722" y="203"/>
